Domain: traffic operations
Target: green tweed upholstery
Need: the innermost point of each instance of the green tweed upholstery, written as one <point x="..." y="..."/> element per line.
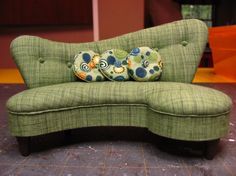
<point x="43" y="62"/>
<point x="79" y="104"/>
<point x="171" y="107"/>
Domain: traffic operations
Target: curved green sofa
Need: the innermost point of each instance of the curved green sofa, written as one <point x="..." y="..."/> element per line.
<point x="172" y="107"/>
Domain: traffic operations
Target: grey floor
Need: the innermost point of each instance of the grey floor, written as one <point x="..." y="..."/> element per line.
<point x="114" y="151"/>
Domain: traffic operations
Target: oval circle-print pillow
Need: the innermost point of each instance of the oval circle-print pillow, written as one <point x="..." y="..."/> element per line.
<point x="144" y="64"/>
<point x="113" y="65"/>
<point x="86" y="66"/>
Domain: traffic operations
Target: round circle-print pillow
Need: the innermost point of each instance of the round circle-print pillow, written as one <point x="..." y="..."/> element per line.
<point x="86" y="66"/>
<point x="144" y="64"/>
<point x="113" y="65"/>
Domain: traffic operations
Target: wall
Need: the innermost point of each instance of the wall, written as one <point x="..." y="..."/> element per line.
<point x="117" y="17"/>
<point x="45" y="12"/>
<point x="163" y="11"/>
<point x="59" y="20"/>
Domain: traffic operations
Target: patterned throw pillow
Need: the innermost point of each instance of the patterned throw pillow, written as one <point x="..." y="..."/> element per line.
<point x="86" y="66"/>
<point x="144" y="64"/>
<point x="113" y="65"/>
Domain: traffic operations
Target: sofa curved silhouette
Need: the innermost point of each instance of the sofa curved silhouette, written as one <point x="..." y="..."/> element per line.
<point x="171" y="107"/>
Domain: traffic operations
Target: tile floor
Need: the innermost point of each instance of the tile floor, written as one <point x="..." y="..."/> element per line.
<point x="111" y="152"/>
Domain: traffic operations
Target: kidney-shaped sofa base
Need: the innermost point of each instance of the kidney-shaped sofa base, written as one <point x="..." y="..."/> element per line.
<point x="174" y="110"/>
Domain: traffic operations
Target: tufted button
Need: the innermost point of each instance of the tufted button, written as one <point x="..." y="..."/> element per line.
<point x="69" y="65"/>
<point x="41" y="60"/>
<point x="184" y="43"/>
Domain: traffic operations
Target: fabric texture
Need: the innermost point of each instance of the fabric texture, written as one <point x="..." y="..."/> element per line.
<point x="181" y="44"/>
<point x="86" y="66"/>
<point x="113" y="65"/>
<point x="144" y="64"/>
<point x="56" y="101"/>
<point x="113" y="103"/>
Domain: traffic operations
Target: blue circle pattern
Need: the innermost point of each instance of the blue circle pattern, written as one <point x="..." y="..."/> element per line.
<point x="117" y="63"/>
<point x="140" y="67"/>
<point x="98" y="78"/>
<point x="131" y="72"/>
<point x="124" y="62"/>
<point x="156" y="68"/>
<point x="135" y="51"/>
<point x="119" y="78"/>
<point x="151" y="71"/>
<point x="111" y="60"/>
<point x="86" y="57"/>
<point x="141" y="72"/>
<point x="89" y="78"/>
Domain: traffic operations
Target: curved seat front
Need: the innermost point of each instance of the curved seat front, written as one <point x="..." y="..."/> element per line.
<point x="175" y="110"/>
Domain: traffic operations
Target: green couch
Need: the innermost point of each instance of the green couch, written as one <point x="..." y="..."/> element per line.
<point x="172" y="107"/>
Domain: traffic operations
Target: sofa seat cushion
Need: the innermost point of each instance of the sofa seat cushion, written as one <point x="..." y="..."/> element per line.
<point x="162" y="97"/>
<point x="189" y="100"/>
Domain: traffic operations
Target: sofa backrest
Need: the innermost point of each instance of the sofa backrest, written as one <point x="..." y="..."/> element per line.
<point x="181" y="44"/>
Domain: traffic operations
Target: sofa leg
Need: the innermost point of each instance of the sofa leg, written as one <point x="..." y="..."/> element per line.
<point x="24" y="145"/>
<point x="211" y="149"/>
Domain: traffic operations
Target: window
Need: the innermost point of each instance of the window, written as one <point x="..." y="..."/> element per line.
<point x="201" y="12"/>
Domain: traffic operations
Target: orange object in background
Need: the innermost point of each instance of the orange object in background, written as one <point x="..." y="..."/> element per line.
<point x="222" y="42"/>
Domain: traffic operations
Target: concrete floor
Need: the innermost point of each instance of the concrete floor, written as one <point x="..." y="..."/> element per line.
<point x="110" y="151"/>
